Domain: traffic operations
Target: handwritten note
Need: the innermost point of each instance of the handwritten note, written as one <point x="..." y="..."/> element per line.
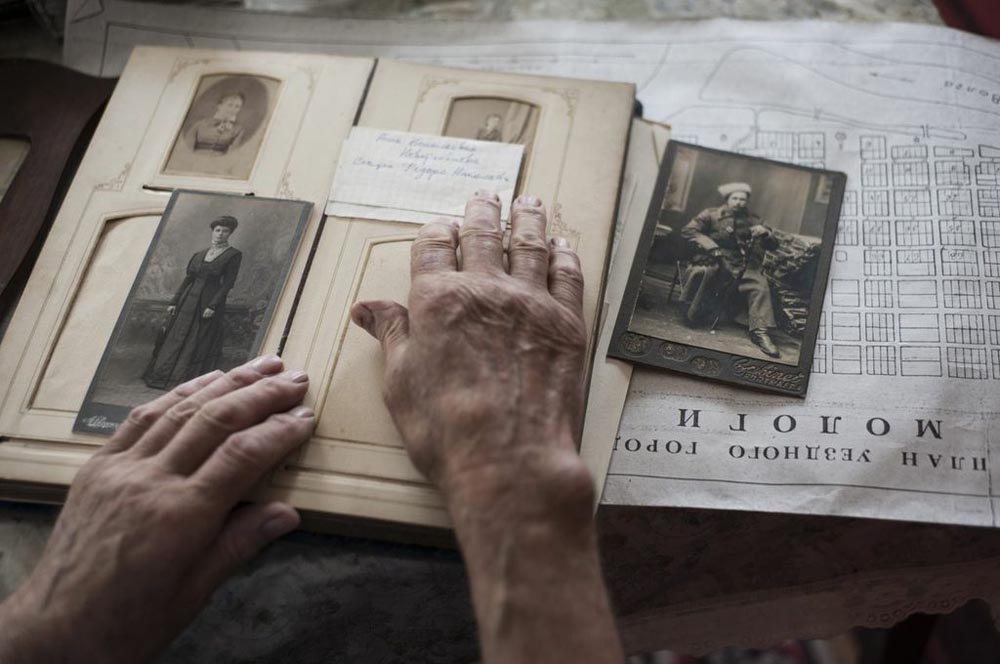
<point x="400" y="176"/>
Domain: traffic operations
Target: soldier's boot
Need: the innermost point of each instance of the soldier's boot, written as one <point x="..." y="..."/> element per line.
<point x="762" y="340"/>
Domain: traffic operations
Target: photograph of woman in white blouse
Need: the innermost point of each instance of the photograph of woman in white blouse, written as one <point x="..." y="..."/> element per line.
<point x="224" y="127"/>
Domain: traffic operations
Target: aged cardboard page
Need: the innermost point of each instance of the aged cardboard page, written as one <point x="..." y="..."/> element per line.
<point x="610" y="377"/>
<point x="574" y="135"/>
<point x="295" y="111"/>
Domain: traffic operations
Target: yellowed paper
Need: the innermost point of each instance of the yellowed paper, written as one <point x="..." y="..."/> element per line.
<point x="404" y="176"/>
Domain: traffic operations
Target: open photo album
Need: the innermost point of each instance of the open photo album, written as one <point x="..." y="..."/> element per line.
<point x="237" y="203"/>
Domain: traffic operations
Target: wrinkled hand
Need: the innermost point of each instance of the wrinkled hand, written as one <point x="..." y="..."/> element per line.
<point x="484" y="379"/>
<point x="149" y="530"/>
<point x="208" y="313"/>
<point x="484" y="372"/>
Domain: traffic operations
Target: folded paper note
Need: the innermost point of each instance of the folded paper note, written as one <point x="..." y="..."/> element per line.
<point x="401" y="176"/>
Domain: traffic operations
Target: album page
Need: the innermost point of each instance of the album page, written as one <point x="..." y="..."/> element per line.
<point x="574" y="136"/>
<point x="253" y="139"/>
<point x="610" y="376"/>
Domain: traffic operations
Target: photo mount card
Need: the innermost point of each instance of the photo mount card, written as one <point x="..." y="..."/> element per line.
<point x="224" y="127"/>
<point x="729" y="276"/>
<point x="198" y="302"/>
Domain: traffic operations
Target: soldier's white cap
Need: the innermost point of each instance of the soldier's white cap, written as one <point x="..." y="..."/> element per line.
<point x="733" y="187"/>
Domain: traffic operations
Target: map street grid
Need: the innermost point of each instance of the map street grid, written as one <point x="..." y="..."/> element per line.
<point x="902" y="409"/>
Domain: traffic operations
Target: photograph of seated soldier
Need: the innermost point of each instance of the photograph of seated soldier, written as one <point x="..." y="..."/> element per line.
<point x="730" y="243"/>
<point x="733" y="259"/>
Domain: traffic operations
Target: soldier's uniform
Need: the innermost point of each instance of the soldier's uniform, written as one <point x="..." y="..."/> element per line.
<point x="708" y="277"/>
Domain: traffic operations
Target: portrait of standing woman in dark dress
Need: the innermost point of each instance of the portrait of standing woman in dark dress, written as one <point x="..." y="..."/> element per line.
<point x="197" y="303"/>
<point x="191" y="342"/>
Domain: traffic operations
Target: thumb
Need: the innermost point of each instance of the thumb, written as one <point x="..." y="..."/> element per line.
<point x="387" y="321"/>
<point x="247" y="530"/>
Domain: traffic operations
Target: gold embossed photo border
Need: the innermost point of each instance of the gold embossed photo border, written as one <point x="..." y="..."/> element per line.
<point x="682" y="312"/>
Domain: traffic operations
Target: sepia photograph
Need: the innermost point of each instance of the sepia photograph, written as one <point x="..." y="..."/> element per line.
<point x="729" y="277"/>
<point x="497" y="120"/>
<point x="493" y="119"/>
<point x="224" y="126"/>
<point x="202" y="300"/>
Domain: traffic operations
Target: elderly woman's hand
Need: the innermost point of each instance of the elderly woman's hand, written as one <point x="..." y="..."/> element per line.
<point x="484" y="376"/>
<point x="484" y="372"/>
<point x="149" y="530"/>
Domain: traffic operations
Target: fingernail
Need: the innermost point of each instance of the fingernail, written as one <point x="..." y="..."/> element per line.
<point x="280" y="524"/>
<point x="363" y="316"/>
<point x="482" y="193"/>
<point x="266" y="364"/>
<point x="304" y="412"/>
<point x="297" y="376"/>
<point x="528" y="199"/>
<point x="560" y="242"/>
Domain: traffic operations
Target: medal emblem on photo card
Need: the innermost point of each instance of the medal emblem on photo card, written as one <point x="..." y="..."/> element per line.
<point x="731" y="269"/>
<point x="203" y="299"/>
